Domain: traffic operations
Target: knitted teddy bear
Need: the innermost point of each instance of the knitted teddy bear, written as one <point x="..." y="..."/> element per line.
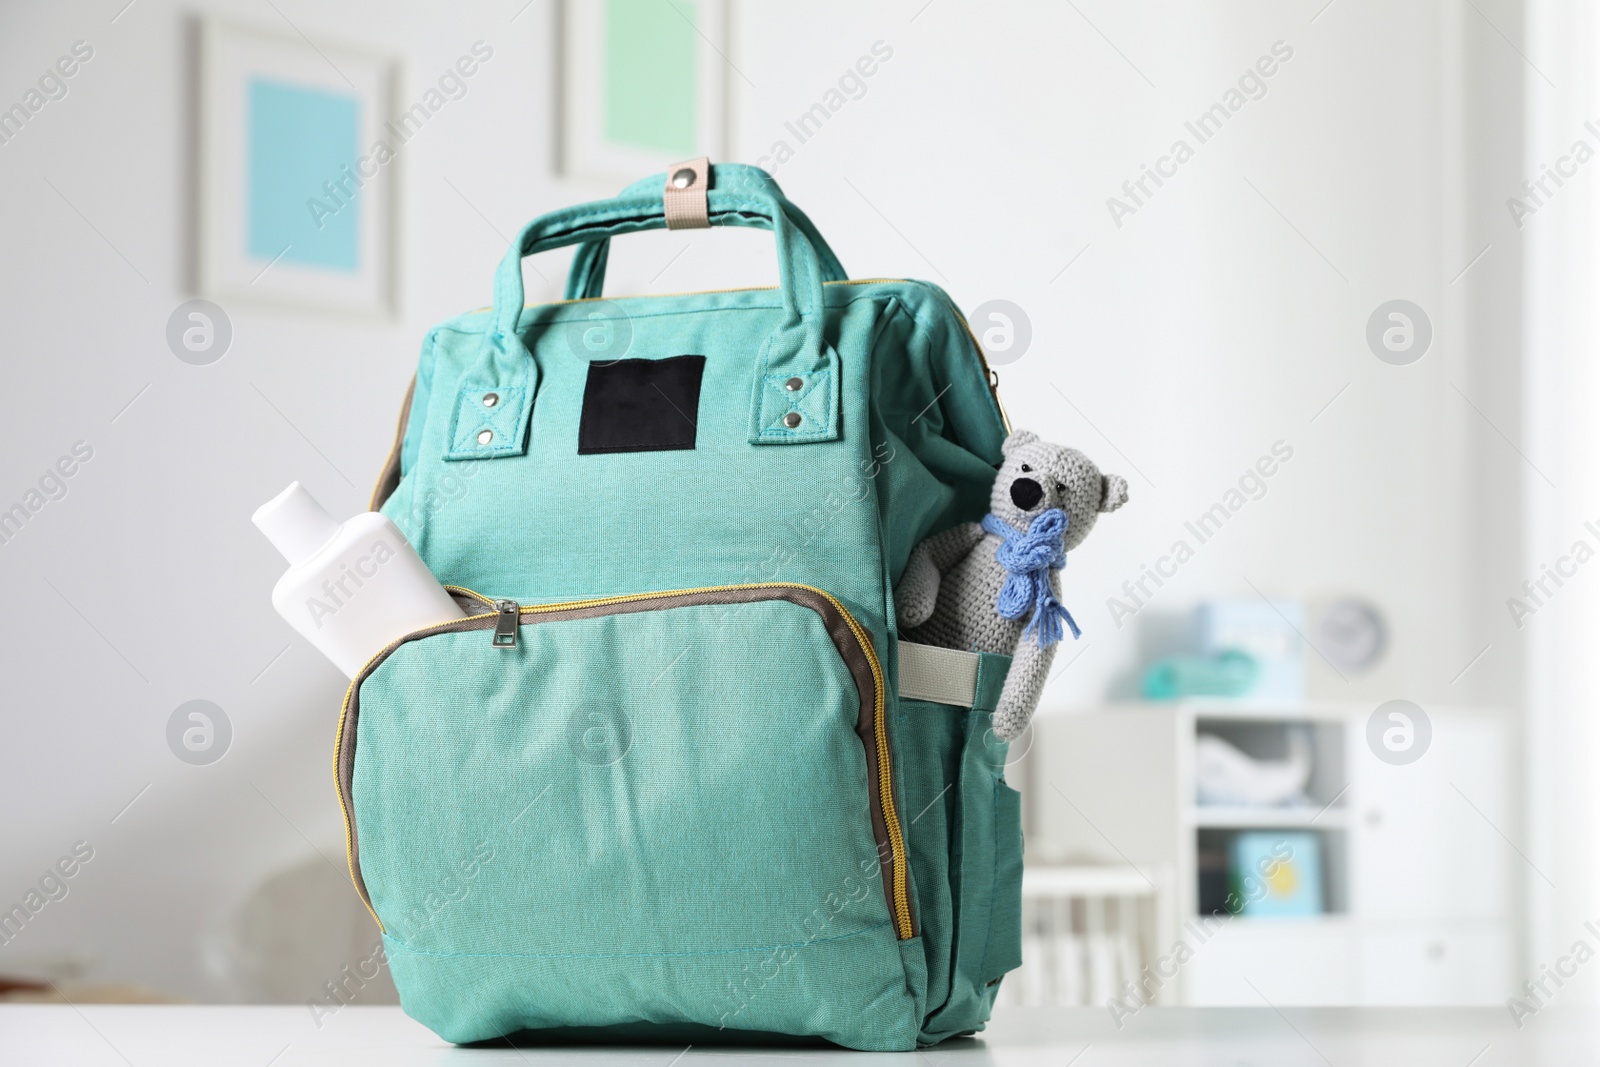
<point x="995" y="586"/>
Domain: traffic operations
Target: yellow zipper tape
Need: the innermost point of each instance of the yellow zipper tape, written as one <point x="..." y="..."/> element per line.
<point x="891" y="819"/>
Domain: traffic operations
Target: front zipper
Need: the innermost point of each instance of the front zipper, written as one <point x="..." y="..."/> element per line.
<point x="899" y="898"/>
<point x="507" y="621"/>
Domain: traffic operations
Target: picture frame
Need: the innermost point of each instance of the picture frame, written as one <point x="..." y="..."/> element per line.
<point x="643" y="84"/>
<point x="300" y="173"/>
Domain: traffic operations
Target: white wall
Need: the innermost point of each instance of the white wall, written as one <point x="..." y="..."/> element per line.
<point x="1562" y="329"/>
<point x="1206" y="328"/>
<point x="1215" y="321"/>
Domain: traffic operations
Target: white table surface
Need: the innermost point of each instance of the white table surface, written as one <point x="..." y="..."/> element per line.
<point x="117" y="1035"/>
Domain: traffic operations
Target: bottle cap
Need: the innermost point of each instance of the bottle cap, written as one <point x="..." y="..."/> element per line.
<point x="295" y="523"/>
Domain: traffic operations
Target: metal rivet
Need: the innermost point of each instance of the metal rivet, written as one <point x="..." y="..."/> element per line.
<point x="683" y="178"/>
<point x="794" y="385"/>
<point x="491" y="399"/>
<point x="792" y="419"/>
<point x="485" y="437"/>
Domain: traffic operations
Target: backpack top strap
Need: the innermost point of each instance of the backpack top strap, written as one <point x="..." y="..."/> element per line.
<point x="795" y="350"/>
<point x="586" y="279"/>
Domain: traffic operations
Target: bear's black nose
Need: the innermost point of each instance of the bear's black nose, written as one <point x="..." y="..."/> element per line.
<point x="1025" y="493"/>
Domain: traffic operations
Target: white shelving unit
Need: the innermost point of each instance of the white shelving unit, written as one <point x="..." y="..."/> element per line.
<point x="1417" y="877"/>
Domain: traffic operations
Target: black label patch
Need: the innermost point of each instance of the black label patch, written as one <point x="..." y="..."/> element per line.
<point x="641" y="405"/>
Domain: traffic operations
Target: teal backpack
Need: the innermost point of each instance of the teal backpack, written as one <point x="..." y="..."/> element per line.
<point x="673" y="777"/>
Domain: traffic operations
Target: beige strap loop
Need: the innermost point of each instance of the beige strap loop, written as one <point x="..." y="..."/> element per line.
<point x="685" y="195"/>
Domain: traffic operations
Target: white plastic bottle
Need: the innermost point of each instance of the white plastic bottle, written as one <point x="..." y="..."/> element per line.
<point x="352" y="587"/>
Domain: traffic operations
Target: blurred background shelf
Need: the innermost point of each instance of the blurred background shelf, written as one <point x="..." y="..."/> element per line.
<point x="1246" y="818"/>
<point x="1413" y="880"/>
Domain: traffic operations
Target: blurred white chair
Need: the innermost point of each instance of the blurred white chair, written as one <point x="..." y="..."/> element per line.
<point x="1086" y="932"/>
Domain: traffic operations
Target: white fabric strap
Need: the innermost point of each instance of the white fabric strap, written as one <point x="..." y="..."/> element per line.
<point x="942" y="675"/>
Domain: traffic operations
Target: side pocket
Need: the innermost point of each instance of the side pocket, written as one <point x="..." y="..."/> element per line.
<point x="985" y="880"/>
<point x="1005" y="914"/>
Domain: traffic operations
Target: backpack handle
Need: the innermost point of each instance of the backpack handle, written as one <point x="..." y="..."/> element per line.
<point x="780" y="412"/>
<point x="586" y="279"/>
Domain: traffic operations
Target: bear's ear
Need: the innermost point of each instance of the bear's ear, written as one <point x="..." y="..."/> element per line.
<point x="1017" y="440"/>
<point x="1114" y="492"/>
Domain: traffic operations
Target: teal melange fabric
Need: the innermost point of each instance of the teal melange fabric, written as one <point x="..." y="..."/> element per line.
<point x="650" y="824"/>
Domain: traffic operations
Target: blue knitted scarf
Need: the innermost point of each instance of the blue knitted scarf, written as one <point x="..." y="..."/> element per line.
<point x="1028" y="559"/>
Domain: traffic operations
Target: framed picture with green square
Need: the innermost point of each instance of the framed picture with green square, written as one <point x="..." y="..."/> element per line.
<point x="643" y="83"/>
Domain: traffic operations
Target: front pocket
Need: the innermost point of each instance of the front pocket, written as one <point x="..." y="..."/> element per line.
<point x="668" y="808"/>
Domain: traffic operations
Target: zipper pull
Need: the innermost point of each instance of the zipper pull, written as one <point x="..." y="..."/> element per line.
<point x="506" y="622"/>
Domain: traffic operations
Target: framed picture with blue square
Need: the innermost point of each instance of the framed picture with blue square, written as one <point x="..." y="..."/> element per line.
<point x="299" y="172"/>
